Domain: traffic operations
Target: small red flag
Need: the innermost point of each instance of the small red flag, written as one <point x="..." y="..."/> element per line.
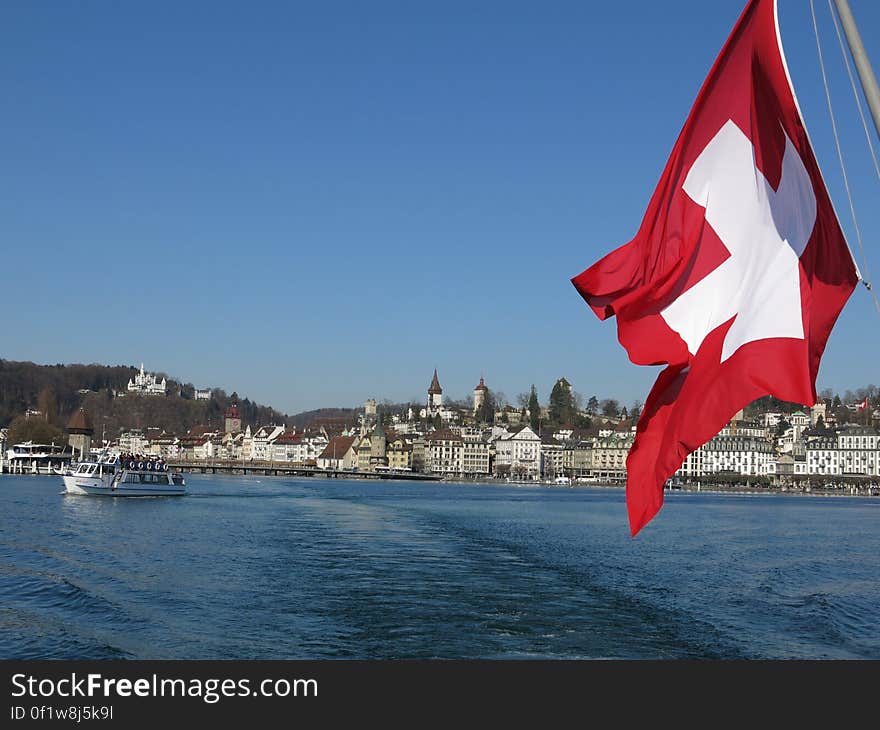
<point x="739" y="269"/>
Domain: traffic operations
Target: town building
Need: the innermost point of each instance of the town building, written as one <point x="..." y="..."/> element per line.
<point x="399" y="453"/>
<point x="444" y="451"/>
<point x="262" y="442"/>
<point x="164" y="446"/>
<point x="608" y="455"/>
<point x="518" y="455"/>
<point x="475" y="453"/>
<point x="133" y="441"/>
<point x="552" y="457"/>
<point x="339" y="454"/>
<point x="202" y="394"/>
<point x="732" y="454"/>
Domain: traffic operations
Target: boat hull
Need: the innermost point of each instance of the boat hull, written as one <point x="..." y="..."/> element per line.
<point x="103" y="487"/>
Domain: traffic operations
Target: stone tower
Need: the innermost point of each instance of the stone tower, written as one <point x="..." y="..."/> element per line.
<point x="378" y="442"/>
<point x="480" y="395"/>
<point x="80" y="429"/>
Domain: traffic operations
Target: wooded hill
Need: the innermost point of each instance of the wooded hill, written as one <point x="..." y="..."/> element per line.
<point x="55" y="391"/>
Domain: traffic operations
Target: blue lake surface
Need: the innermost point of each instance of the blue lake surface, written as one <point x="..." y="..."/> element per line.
<point x="269" y="568"/>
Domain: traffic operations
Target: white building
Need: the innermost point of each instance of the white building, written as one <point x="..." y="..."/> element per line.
<point x="202" y="394"/>
<point x="261" y="443"/>
<point x="853" y="451"/>
<point x="133" y="442"/>
<point x="444" y="452"/>
<point x="739" y="454"/>
<point x="518" y="455"/>
<point x="146" y="384"/>
<point x="475" y="453"/>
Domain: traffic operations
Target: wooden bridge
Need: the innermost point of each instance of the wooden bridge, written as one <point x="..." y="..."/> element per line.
<point x="280" y="469"/>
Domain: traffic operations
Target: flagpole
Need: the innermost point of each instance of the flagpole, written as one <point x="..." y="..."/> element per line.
<point x="860" y="56"/>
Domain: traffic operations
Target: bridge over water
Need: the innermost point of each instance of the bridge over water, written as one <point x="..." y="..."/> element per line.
<point x="279" y="469"/>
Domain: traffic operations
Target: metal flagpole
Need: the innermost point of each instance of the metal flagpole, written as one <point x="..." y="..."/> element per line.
<point x="860" y="56"/>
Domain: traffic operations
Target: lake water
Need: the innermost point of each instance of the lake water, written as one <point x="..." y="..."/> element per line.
<point x="267" y="568"/>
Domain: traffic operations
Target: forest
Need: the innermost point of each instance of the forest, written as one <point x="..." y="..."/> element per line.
<point x="56" y="391"/>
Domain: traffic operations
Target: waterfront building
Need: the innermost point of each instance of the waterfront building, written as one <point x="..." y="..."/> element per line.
<point x="284" y="446"/>
<point x="518" y="455"/>
<point x="378" y="446"/>
<point x="340" y="453"/>
<point x="444" y="451"/>
<point x="608" y="455"/>
<point x="364" y="450"/>
<point x="399" y="452"/>
<point x="852" y="451"/>
<point x="581" y="458"/>
<point x="262" y="441"/>
<point x="164" y="446"/>
<point x="475" y="457"/>
<point x="247" y="444"/>
<point x="418" y="453"/>
<point x="207" y="447"/>
<point x="733" y="454"/>
<point x="232" y="444"/>
<point x="146" y="384"/>
<point x="133" y="441"/>
<point x="552" y="457"/>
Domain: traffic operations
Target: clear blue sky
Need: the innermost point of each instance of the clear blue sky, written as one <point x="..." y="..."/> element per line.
<point x="318" y="203"/>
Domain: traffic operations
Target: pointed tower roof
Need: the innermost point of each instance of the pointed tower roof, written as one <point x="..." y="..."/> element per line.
<point x="379" y="430"/>
<point x="482" y="385"/>
<point x="80" y="423"/>
<point x="435" y="388"/>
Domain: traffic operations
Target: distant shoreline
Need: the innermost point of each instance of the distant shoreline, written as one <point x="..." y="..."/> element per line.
<point x="690" y="489"/>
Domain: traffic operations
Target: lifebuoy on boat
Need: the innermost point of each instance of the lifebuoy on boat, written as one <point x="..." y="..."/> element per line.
<point x="141" y="465"/>
<point x="149" y="466"/>
<point x="132" y="465"/>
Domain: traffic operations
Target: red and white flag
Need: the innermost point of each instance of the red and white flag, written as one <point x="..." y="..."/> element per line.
<point x="863" y="405"/>
<point x="739" y="269"/>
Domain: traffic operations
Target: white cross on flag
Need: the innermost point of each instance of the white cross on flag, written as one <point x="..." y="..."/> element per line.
<point x="739" y="269"/>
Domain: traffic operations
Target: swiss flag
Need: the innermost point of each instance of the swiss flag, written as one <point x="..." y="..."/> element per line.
<point x="739" y="269"/>
<point x="863" y="405"/>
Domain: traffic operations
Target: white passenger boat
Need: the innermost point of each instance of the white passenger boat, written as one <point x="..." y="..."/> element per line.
<point x="108" y="477"/>
<point x="31" y="458"/>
